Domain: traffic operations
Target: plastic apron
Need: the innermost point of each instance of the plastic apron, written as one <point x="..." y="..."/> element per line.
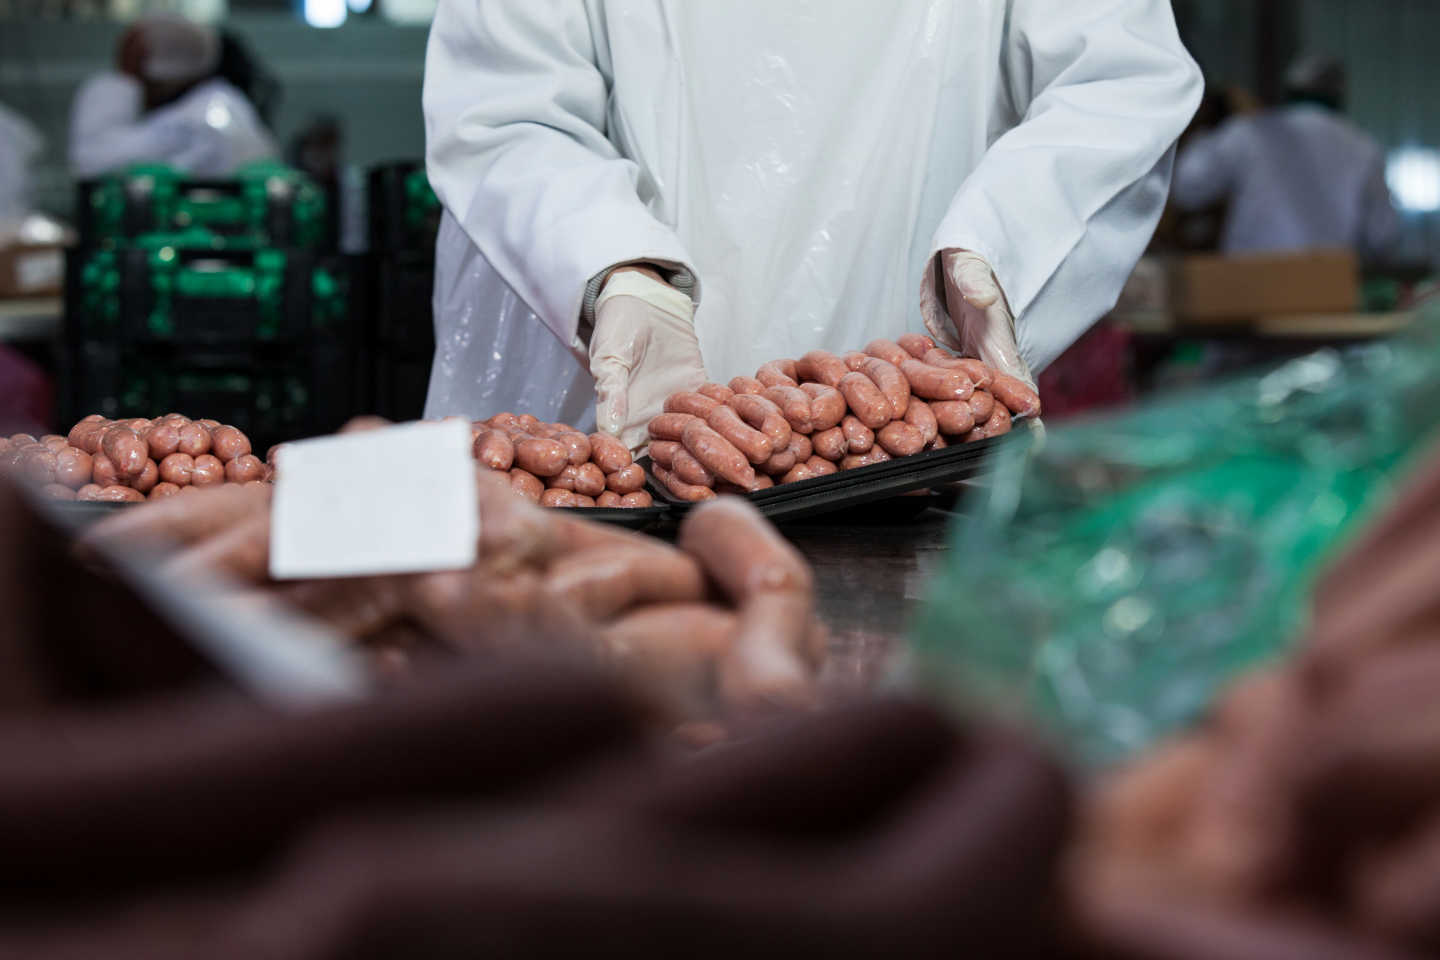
<point x="804" y="153"/>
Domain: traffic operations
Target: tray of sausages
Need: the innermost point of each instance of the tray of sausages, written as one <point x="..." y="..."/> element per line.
<point x="827" y="432"/>
<point x="556" y="465"/>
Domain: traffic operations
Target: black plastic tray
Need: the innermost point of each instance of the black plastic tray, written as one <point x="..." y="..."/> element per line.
<point x="853" y="488"/>
<point x="637" y="518"/>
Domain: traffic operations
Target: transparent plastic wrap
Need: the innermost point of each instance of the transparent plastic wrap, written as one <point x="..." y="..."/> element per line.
<point x="1116" y="576"/>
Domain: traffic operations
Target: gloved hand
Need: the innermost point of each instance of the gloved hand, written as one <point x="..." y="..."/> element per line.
<point x="642" y="350"/>
<point x="965" y="310"/>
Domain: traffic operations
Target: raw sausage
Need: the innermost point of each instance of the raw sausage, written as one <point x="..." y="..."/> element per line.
<point x="503" y="421"/>
<point x="715" y="391"/>
<point x="526" y="484"/>
<point x="90" y="492"/>
<point x="800" y="472"/>
<point x="177" y="469"/>
<point x="163" y="490"/>
<point x="855" y="359"/>
<point x="891" y="382"/>
<point x="915" y="344"/>
<point x="544" y="458"/>
<point x="1016" y="395"/>
<point x="163" y="439"/>
<point x="827" y="406"/>
<point x="589" y="480"/>
<point x="747" y="385"/>
<point x="867" y="403"/>
<point x="126" y="450"/>
<point x="780" y="464"/>
<point x="725" y="422"/>
<point x="37" y="466"/>
<point x="583" y="502"/>
<point x="765" y="416"/>
<point x="494" y="450"/>
<point x="933" y="383"/>
<point x="119" y="494"/>
<point x="718" y="455"/>
<point x="609" y="500"/>
<point x="556" y="497"/>
<point x="762" y="482"/>
<point x="982" y="404"/>
<point x="998" y="425"/>
<point x="564" y="480"/>
<point x="858" y="437"/>
<point x="663" y="453"/>
<point x="679" y="488"/>
<point x="978" y="373"/>
<point x="831" y="444"/>
<point x="899" y="439"/>
<point x="794" y="405"/>
<point x="609" y="453"/>
<point x="922" y="418"/>
<point x="774" y="375"/>
<point x="857" y="460"/>
<point x="103" y="471"/>
<point x="148" y="477"/>
<point x="194" y="440"/>
<point x="637" y="500"/>
<point x="209" y="471"/>
<point x="690" y="470"/>
<point x="801" y="446"/>
<point x="887" y="350"/>
<point x="576" y="444"/>
<point x="670" y="426"/>
<point x="629" y="480"/>
<point x="821" y="366"/>
<point x="57" y="491"/>
<point x="72" y="467"/>
<point x="955" y="419"/>
<point x="821" y="467"/>
<point x="227" y="443"/>
<point x="694" y="404"/>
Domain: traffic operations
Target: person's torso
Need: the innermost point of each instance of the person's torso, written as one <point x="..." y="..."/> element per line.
<point x="804" y="151"/>
<point x="1302" y="177"/>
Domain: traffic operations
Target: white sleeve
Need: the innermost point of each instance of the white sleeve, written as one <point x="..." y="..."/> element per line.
<point x="516" y="148"/>
<point x="106" y="129"/>
<point x="1205" y="169"/>
<point x="1064" y="204"/>
<point x="1381" y="224"/>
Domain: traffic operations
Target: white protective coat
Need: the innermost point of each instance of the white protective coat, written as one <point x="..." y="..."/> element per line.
<point x="20" y="144"/>
<point x="804" y="159"/>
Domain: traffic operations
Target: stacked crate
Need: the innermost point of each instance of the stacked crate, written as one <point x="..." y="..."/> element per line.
<point x="404" y="219"/>
<point x="221" y="297"/>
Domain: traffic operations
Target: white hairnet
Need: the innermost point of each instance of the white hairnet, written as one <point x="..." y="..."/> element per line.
<point x="177" y="50"/>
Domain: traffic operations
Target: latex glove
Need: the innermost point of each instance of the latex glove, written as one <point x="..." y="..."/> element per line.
<point x="643" y="349"/>
<point x="965" y="309"/>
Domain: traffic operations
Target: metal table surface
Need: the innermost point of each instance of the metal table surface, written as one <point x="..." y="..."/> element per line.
<point x="871" y="579"/>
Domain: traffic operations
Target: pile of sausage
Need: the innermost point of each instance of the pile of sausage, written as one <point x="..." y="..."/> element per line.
<point x="800" y="419"/>
<point x="132" y="460"/>
<point x="555" y="465"/>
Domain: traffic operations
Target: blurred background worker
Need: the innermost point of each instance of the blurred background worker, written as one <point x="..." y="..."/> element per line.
<point x="796" y="173"/>
<point x="20" y="144"/>
<point x="1299" y="177"/>
<point x="168" y="102"/>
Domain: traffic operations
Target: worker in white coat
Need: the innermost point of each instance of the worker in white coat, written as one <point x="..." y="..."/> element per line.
<point x="164" y="104"/>
<point x="650" y="192"/>
<point x="1300" y="177"/>
<point x="20" y="144"/>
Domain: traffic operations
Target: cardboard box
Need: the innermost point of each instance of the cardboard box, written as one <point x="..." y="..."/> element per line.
<point x="31" y="270"/>
<point x="1221" y="288"/>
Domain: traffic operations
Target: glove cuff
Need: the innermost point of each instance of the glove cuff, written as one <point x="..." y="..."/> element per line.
<point x="678" y="277"/>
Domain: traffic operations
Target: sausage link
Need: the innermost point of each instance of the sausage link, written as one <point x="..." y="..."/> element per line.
<point x="887" y="350"/>
<point x="998" y="425"/>
<point x="857" y="460"/>
<point x="982" y="404"/>
<point x="954" y="418"/>
<point x="915" y="344"/>
<point x="103" y="472"/>
<point x="762" y="482"/>
<point x="227" y="443"/>
<point x="718" y="455"/>
<point x="583" y="502"/>
<point x="670" y="426"/>
<point x="627" y="481"/>
<point x="800" y="472"/>
<point x="763" y="415"/>
<point x="503" y="421"/>
<point x="821" y="366"/>
<point x="690" y="470"/>
<point x="243" y="469"/>
<point x="544" y="458"/>
<point x="126" y="450"/>
<point x="780" y="464"/>
<point x="528" y="422"/>
<point x="858" y="437"/>
<point x="663" y="453"/>
<point x="978" y="373"/>
<point x="194" y="440"/>
<point x="73" y="467"/>
<point x="679" y="489"/>
<point x="794" y="405"/>
<point x="576" y="444"/>
<point x="692" y="403"/>
<point x="526" y="484"/>
<point x="922" y="418"/>
<point x="724" y="421"/>
<point x="801" y="446"/>
<point x="773" y="374"/>
<point x="559" y="498"/>
<point x="867" y="404"/>
<point x="609" y="500"/>
<point x="890" y="381"/>
<point x="827" y="406"/>
<point x="638" y="500"/>
<point x="939" y="443"/>
<point x="163" y="439"/>
<point x="854" y="359"/>
<point x="1016" y="395"/>
<point x="821" y="467"/>
<point x="933" y="383"/>
<point x="494" y="450"/>
<point x="715" y="391"/>
<point x="830" y="445"/>
<point x="608" y="453"/>
<point x="899" y="439"/>
<point x="748" y="385"/>
<point x="589" y="480"/>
